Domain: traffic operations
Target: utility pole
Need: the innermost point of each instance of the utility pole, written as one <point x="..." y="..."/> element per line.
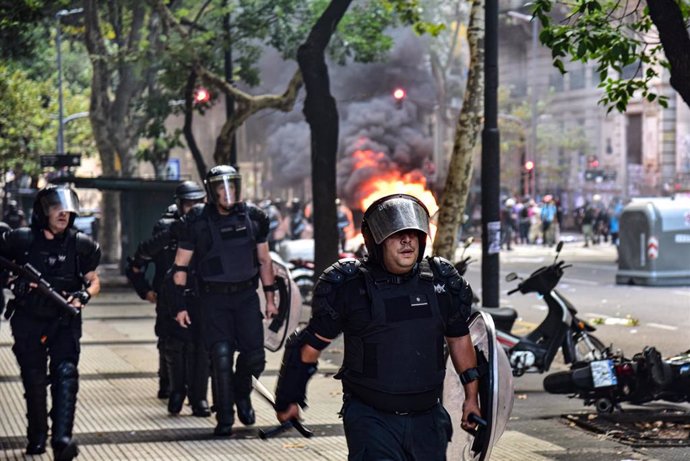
<point x="229" y="99"/>
<point x="491" y="180"/>
<point x="58" y="44"/>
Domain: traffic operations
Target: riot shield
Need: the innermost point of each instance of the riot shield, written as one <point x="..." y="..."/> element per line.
<point x="289" y="304"/>
<point x="495" y="394"/>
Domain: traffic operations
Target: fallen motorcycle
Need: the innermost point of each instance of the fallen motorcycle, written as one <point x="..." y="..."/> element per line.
<point x="615" y="379"/>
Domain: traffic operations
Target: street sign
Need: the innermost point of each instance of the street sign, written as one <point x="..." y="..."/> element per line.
<point x="172" y="169"/>
<point x="60" y="160"/>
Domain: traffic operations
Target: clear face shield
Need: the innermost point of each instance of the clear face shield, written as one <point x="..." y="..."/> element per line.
<point x="60" y="200"/>
<point x="225" y="190"/>
<point x="394" y="215"/>
<point x="495" y="394"/>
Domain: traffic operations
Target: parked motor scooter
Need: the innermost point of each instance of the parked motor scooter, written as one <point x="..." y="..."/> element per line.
<point x="561" y="328"/>
<point x="615" y="379"/>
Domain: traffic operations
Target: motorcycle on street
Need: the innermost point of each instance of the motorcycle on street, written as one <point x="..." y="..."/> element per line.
<point x="615" y="379"/>
<point x="561" y="328"/>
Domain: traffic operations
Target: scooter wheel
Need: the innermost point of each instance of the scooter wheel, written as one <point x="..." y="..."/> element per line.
<point x="604" y="405"/>
<point x="560" y="382"/>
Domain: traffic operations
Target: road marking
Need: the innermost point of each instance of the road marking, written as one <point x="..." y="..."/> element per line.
<point x="679" y="292"/>
<point x="662" y="326"/>
<point x="580" y="281"/>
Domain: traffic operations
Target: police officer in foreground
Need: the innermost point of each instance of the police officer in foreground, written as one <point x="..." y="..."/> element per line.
<point x="67" y="259"/>
<point x="394" y="308"/>
<point x="228" y="240"/>
<point x="183" y="360"/>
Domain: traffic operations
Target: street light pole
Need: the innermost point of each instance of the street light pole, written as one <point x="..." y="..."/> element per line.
<point x="58" y="44"/>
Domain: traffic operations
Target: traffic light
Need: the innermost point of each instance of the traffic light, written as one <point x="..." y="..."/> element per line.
<point x="399" y="95"/>
<point x="201" y="96"/>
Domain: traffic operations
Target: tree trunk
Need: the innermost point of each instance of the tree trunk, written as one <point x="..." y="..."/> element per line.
<point x="668" y="19"/>
<point x="187" y="129"/>
<point x="321" y="113"/>
<point x="459" y="178"/>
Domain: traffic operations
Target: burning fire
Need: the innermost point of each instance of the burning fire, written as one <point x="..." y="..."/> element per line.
<point x="392" y="182"/>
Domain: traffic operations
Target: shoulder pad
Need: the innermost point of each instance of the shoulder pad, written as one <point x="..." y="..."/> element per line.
<point x="449" y="274"/>
<point x="86" y="246"/>
<point x="442" y="266"/>
<point x="341" y="271"/>
<point x="254" y="210"/>
<point x="195" y="213"/>
<point x="163" y="224"/>
<point x="337" y="274"/>
<point x="20" y="240"/>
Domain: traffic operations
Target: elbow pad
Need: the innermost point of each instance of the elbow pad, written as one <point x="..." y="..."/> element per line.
<point x="295" y="374"/>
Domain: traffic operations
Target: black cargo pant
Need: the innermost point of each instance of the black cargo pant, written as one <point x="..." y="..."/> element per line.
<point x="232" y="322"/>
<point x="36" y="340"/>
<point x="374" y="435"/>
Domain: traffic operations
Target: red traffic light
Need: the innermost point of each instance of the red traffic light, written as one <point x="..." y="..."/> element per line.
<point x="399" y="94"/>
<point x="201" y="95"/>
<point x="529" y="165"/>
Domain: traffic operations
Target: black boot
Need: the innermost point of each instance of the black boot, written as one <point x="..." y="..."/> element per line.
<point x="197" y="378"/>
<point x="248" y="364"/>
<point x="163" y="373"/>
<point x="64" y="387"/>
<point x="221" y="356"/>
<point x="36" y="393"/>
<point x="175" y="359"/>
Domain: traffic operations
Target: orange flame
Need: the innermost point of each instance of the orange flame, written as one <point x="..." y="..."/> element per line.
<point x="393" y="182"/>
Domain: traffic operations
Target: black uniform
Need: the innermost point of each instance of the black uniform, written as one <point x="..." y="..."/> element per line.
<point x="226" y="271"/>
<point x="183" y="359"/>
<point x="41" y="331"/>
<point x="394" y="363"/>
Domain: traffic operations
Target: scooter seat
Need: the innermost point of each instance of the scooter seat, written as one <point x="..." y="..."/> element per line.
<point x="504" y="317"/>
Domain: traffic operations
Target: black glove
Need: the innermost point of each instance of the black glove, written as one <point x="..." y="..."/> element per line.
<point x="82" y="295"/>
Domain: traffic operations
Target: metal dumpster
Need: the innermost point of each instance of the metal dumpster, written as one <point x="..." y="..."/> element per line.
<point x="655" y="242"/>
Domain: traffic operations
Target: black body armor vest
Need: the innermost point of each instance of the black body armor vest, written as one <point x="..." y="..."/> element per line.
<point x="401" y="350"/>
<point x="57" y="261"/>
<point x="164" y="259"/>
<point x="232" y="257"/>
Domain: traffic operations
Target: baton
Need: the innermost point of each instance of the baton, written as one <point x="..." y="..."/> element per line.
<point x="294" y="422"/>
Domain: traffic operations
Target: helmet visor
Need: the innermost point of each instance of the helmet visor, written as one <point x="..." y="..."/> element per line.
<point x="224" y="189"/>
<point x="395" y="215"/>
<point x="63" y="200"/>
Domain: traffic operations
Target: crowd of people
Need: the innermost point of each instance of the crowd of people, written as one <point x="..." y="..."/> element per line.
<point x="528" y="221"/>
<point x="294" y="221"/>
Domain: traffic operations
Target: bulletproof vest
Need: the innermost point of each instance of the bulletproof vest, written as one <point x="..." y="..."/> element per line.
<point x="232" y="257"/>
<point x="164" y="259"/>
<point x="401" y="350"/>
<point x="57" y="261"/>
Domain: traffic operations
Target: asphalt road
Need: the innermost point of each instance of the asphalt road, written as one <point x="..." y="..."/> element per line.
<point x="628" y="317"/>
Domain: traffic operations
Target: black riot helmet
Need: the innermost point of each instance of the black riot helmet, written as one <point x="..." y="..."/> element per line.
<point x="226" y="177"/>
<point x="62" y="196"/>
<point x="392" y="214"/>
<point x="189" y="191"/>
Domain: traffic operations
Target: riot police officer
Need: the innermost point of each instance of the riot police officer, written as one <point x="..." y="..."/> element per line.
<point x="183" y="361"/>
<point x="395" y="308"/>
<point x="67" y="259"/>
<point x="228" y="241"/>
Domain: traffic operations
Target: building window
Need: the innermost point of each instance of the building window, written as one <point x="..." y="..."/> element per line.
<point x="633" y="136"/>
<point x="577" y="78"/>
<point x="556" y="81"/>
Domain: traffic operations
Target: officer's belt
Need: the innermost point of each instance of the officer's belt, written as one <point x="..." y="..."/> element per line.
<point x="227" y="288"/>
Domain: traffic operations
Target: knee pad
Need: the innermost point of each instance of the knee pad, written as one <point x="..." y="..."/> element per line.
<point x="221" y="355"/>
<point x="64" y="371"/>
<point x="253" y="362"/>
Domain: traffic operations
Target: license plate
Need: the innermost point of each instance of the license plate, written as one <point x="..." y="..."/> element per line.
<point x="603" y="373"/>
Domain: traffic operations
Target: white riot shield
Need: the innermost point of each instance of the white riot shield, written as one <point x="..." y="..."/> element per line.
<point x="289" y="304"/>
<point x="495" y="394"/>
